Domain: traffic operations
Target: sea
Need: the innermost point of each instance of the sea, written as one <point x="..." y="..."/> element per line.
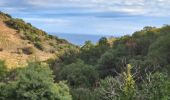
<point x="80" y="39"/>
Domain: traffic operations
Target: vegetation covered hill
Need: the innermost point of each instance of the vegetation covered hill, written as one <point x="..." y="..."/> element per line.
<point x="21" y="42"/>
<point x="131" y="67"/>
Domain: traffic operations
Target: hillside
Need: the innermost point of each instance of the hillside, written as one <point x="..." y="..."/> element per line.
<point x="21" y="42"/>
<point x="130" y="67"/>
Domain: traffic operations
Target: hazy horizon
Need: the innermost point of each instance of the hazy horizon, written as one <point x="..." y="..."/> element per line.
<point x="80" y="39"/>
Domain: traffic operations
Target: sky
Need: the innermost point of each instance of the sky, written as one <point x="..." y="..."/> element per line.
<point x="101" y="17"/>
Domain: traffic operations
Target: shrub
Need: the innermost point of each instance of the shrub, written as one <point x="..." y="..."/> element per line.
<point x="1" y="49"/>
<point x="3" y="69"/>
<point x="39" y="45"/>
<point x="121" y="87"/>
<point x="28" y="50"/>
<point x="83" y="94"/>
<point x="108" y="89"/>
<point x="156" y="87"/>
<point x="34" y="82"/>
<point x="79" y="74"/>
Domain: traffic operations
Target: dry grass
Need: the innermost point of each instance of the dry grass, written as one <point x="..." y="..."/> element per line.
<point x="10" y="41"/>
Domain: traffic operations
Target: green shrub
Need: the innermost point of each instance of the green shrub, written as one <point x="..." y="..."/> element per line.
<point x="34" y="82"/>
<point x="3" y="69"/>
<point x="39" y="45"/>
<point x="156" y="87"/>
<point x="109" y="89"/>
<point x="79" y="74"/>
<point x="28" y="50"/>
<point x="83" y="94"/>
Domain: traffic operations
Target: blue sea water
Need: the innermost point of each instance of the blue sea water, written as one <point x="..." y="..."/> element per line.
<point x="79" y="39"/>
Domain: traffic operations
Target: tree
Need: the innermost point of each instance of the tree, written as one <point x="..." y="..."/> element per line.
<point x="34" y="82"/>
<point x="159" y="51"/>
<point x="112" y="61"/>
<point x="103" y="41"/>
<point x="88" y="45"/>
<point x="90" y="53"/>
<point x="79" y="74"/>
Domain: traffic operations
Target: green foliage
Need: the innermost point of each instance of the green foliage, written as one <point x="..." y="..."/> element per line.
<point x="39" y="45"/>
<point x="31" y="33"/>
<point x="108" y="89"/>
<point x="129" y="83"/>
<point x="148" y="51"/>
<point x="111" y="61"/>
<point x="65" y="55"/>
<point x="36" y="36"/>
<point x="4" y="16"/>
<point x="87" y="52"/>
<point x="79" y="74"/>
<point x="156" y="87"/>
<point x="164" y="30"/>
<point x="144" y="39"/>
<point x="3" y="69"/>
<point x="160" y="50"/>
<point x="90" y="53"/>
<point x="121" y="87"/>
<point x="83" y="94"/>
<point x="35" y="82"/>
<point x="103" y="41"/>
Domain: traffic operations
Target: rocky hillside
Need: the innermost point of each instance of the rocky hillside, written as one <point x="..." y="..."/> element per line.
<point x="21" y="42"/>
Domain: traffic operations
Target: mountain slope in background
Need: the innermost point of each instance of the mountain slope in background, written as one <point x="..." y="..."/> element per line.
<point x="20" y="42"/>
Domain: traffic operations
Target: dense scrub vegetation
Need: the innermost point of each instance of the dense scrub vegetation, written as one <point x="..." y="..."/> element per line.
<point x="34" y="82"/>
<point x="135" y="67"/>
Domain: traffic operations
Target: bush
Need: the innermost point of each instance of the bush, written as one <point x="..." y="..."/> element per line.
<point x="3" y="69"/>
<point x="121" y="87"/>
<point x="156" y="87"/>
<point x="79" y="74"/>
<point x="39" y="45"/>
<point x="83" y="94"/>
<point x="34" y="82"/>
<point x="108" y="89"/>
<point x="28" y="50"/>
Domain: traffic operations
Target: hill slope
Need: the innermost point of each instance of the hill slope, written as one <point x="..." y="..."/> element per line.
<point x="21" y="42"/>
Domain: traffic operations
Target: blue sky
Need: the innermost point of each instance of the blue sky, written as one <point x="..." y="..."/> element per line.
<point x="106" y="17"/>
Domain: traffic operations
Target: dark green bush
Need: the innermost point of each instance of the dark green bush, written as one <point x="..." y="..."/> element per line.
<point x="79" y="74"/>
<point x="28" y="50"/>
<point x="39" y="45"/>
